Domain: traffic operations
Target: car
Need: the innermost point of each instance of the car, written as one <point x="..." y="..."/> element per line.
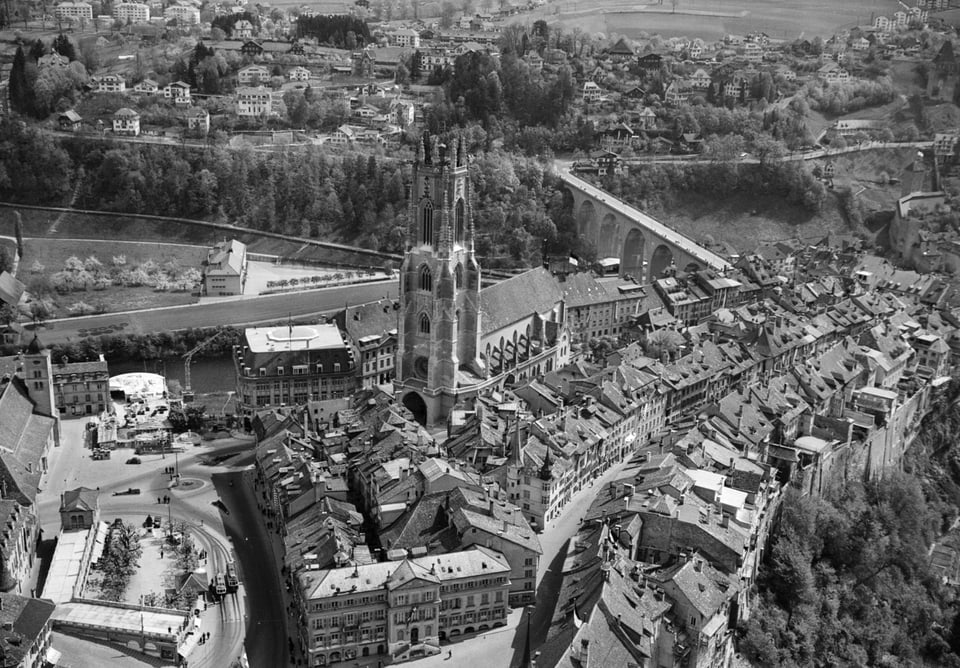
<point x="128" y="492"/>
<point x="223" y="508"/>
<point x="133" y="460"/>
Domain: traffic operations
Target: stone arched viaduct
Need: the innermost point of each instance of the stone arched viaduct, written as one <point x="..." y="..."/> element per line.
<point x="645" y="246"/>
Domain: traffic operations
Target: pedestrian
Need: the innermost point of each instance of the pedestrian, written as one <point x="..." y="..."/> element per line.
<point x="158" y="499"/>
<point x="161" y="553"/>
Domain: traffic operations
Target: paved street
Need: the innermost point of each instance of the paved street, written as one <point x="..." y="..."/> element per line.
<point x="260" y="562"/>
<point x="242" y="312"/>
<point x="71" y="466"/>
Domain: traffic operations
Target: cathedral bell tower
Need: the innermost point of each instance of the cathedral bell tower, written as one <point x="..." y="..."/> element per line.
<point x="439" y="330"/>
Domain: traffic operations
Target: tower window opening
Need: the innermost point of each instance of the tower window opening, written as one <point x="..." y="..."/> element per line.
<point x="458" y="276"/>
<point x="460" y="221"/>
<point x="426" y="279"/>
<point x="426" y="223"/>
<point x="424" y="324"/>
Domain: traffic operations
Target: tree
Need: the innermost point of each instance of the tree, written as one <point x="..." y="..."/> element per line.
<point x="37" y="50"/>
<point x="63" y="46"/>
<point x="447" y="12"/>
<point x="662" y="342"/>
<point x="475" y="87"/>
<point x="21" y="91"/>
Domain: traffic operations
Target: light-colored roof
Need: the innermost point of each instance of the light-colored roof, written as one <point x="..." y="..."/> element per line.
<point x="295" y="337"/>
<point x="374" y="577"/>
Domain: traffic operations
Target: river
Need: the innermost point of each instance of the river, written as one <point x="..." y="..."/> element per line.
<point x="207" y="374"/>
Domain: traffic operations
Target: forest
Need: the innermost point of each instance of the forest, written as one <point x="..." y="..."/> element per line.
<point x="359" y="199"/>
<point x="653" y="186"/>
<point x="848" y="580"/>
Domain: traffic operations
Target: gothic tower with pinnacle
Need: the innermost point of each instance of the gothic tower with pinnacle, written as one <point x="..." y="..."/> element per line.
<point x="439" y="329"/>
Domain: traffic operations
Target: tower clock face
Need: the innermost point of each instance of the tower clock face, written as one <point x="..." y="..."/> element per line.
<point x="421" y="366"/>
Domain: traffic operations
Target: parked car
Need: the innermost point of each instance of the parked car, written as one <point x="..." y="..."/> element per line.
<point x="128" y="492"/>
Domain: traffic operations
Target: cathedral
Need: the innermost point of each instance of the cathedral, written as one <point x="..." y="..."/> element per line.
<point x="457" y="339"/>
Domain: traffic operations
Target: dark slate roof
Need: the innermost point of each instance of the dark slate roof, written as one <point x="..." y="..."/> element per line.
<point x="582" y="289"/>
<point x="23" y="438"/>
<point x="81" y="367"/>
<point x="370" y="319"/>
<point x="28" y="616"/>
<point x="11" y="290"/>
<point x="534" y="291"/>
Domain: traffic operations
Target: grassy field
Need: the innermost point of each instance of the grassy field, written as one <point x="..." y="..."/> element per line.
<point x="52" y="253"/>
<point x="50" y="224"/>
<point x="711" y="19"/>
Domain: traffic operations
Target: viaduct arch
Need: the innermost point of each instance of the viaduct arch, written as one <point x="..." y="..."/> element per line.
<point x="645" y="246"/>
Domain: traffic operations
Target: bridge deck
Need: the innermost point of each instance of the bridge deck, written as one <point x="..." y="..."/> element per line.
<point x="658" y="228"/>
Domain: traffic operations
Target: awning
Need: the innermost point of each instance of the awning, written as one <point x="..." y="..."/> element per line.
<point x="52" y="656"/>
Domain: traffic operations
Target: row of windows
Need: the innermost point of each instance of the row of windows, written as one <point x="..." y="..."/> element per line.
<point x="349" y="619"/>
<point x="300" y="369"/>
<point x="365" y="635"/>
<point x="335" y="603"/>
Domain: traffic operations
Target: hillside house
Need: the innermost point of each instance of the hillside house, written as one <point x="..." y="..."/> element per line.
<point x="591" y="92"/>
<point x="299" y="73"/>
<point x="126" y="122"/>
<point x="242" y="29"/>
<point x="621" y="52"/>
<point x="699" y="79"/>
<point x="253" y="75"/>
<point x="944" y="144"/>
<point x="404" y="38"/>
<point x="676" y="93"/>
<point x="69" y="121"/>
<point x="108" y="83"/>
<point x="833" y="73"/>
<point x="198" y="118"/>
<point x="647" y="119"/>
<point x="178" y="92"/>
<point x="619" y="136"/>
<point x="146" y="87"/>
<point x="252" y="48"/>
<point x="254" y="102"/>
<point x="652" y="62"/>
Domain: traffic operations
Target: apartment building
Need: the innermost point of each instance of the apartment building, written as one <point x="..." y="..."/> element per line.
<point x="401" y="609"/>
<point x="81" y="388"/>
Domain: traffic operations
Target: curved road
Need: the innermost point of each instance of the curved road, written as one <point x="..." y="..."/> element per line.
<point x="250" y="311"/>
<point x="234" y="614"/>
